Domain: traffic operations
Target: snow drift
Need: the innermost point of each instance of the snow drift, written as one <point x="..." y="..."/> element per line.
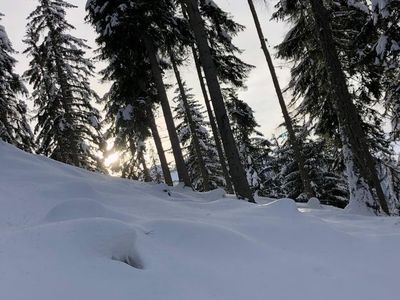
<point x="70" y="234"/>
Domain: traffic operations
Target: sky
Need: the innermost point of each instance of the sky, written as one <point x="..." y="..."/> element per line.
<point x="260" y="93"/>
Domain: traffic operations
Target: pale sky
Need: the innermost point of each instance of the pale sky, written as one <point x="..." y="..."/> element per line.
<point x="260" y="94"/>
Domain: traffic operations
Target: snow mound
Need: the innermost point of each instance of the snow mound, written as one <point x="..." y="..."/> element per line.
<point x="81" y="209"/>
<point x="283" y="207"/>
<point x="47" y="259"/>
<point x="314" y="203"/>
<point x="356" y="208"/>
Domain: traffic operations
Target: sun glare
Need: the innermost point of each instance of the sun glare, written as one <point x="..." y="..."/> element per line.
<point x="110" y="159"/>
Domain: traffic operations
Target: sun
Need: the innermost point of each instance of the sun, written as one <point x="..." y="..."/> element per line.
<point x="111" y="159"/>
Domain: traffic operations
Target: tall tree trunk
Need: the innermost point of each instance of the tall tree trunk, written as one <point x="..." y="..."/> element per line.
<point x="160" y="150"/>
<point x="297" y="149"/>
<point x="196" y="143"/>
<point x="235" y="166"/>
<point x="162" y="93"/>
<point x="347" y="112"/>
<point x="361" y="198"/>
<point x="146" y="173"/>
<point x="213" y="124"/>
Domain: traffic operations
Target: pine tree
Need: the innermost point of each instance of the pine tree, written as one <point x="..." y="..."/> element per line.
<point x="207" y="148"/>
<point x="221" y="28"/>
<point x="236" y="170"/>
<point x="201" y="163"/>
<point x="349" y="119"/>
<point x="156" y="172"/>
<point x="67" y="123"/>
<point x="129" y="105"/>
<point x="213" y="125"/>
<point x="385" y="49"/>
<point x="252" y="146"/>
<point x="14" y="127"/>
<point x="328" y="183"/>
<point x="143" y="28"/>
<point x="288" y="120"/>
<point x="318" y="97"/>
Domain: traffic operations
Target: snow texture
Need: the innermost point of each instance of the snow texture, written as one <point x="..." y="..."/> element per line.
<point x="66" y="233"/>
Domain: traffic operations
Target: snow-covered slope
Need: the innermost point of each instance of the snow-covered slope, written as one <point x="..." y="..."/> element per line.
<point x="68" y="234"/>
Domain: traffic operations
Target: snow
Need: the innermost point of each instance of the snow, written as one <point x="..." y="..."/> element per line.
<point x="359" y="5"/>
<point x="66" y="233"/>
<point x="314" y="203"/>
<point x="381" y="45"/>
<point x="127" y="113"/>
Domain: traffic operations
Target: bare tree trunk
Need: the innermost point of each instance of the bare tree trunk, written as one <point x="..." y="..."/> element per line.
<point x="347" y="112"/>
<point x="297" y="149"/>
<point x="162" y="93"/>
<point x="199" y="154"/>
<point x="235" y="166"/>
<point x="160" y="150"/>
<point x="213" y="124"/>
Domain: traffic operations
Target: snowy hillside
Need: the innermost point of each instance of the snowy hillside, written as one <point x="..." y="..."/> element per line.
<point x="68" y="234"/>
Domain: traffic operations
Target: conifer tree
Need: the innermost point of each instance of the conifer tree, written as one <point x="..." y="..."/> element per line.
<point x="187" y="135"/>
<point x="213" y="125"/>
<point x="328" y="183"/>
<point x="184" y="101"/>
<point x="386" y="51"/>
<point x="67" y="123"/>
<point x="236" y="170"/>
<point x="221" y="28"/>
<point x="14" y="127"/>
<point x="156" y="172"/>
<point x="142" y="27"/>
<point x="129" y="105"/>
<point x="349" y="119"/>
<point x="252" y="146"/>
<point x="316" y="97"/>
<point x="288" y="121"/>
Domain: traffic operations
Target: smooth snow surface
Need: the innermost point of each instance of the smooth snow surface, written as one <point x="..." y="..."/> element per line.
<point x="68" y="234"/>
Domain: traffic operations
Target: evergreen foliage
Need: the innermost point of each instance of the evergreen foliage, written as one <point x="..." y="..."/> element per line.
<point x="14" y="126"/>
<point x="221" y="29"/>
<point x="127" y="106"/>
<point x="329" y="185"/>
<point x="68" y="126"/>
<point x="253" y="148"/>
<point x="208" y="151"/>
<point x="313" y="96"/>
<point x="386" y="49"/>
<point x="134" y="33"/>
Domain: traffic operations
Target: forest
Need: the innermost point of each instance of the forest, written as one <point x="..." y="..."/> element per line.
<point x="340" y="126"/>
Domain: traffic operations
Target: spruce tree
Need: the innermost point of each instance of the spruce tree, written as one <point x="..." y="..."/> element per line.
<point x="213" y="125"/>
<point x="142" y="27"/>
<point x="221" y="28"/>
<point x="288" y="121"/>
<point x="67" y="123"/>
<point x="252" y="146"/>
<point x="155" y="170"/>
<point x="316" y="97"/>
<point x="385" y="49"/>
<point x="201" y="163"/>
<point x="129" y="105"/>
<point x="187" y="135"/>
<point x="328" y="182"/>
<point x="14" y="126"/>
<point x="236" y="170"/>
<point x="349" y="119"/>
